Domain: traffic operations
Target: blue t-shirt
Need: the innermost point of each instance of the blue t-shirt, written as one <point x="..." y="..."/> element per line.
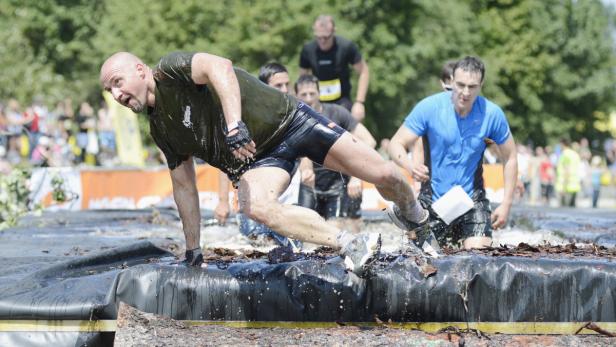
<point x="456" y="144"/>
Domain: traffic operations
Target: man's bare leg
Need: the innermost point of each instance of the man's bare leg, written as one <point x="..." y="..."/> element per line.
<point x="352" y="157"/>
<point x="258" y="194"/>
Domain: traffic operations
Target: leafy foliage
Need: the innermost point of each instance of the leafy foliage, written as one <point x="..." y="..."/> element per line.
<point x="551" y="64"/>
<point x="14" y="197"/>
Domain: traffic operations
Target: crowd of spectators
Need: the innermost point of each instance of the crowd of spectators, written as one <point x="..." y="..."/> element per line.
<point x="564" y="173"/>
<point x="67" y="135"/>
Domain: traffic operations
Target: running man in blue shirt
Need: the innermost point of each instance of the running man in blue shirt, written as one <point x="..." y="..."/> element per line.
<point x="456" y="127"/>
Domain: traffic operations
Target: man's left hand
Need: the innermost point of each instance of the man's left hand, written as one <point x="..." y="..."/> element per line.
<point x="239" y="142"/>
<point x="354" y="187"/>
<point x="499" y="216"/>
<point x="358" y="111"/>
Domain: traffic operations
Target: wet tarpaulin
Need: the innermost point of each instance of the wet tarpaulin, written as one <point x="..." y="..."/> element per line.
<point x="463" y="288"/>
<point x="79" y="267"/>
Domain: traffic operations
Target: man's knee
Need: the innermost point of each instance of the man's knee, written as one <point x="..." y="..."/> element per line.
<point x="264" y="212"/>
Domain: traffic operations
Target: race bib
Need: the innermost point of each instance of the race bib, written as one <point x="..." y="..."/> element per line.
<point x="330" y="90"/>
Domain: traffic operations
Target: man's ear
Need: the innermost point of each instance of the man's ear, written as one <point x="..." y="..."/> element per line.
<point x="140" y="70"/>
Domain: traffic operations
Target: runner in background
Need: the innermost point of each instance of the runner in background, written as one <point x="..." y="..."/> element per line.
<point x="332" y="193"/>
<point x="328" y="58"/>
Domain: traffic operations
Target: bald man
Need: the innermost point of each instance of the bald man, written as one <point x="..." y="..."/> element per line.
<point x="199" y="105"/>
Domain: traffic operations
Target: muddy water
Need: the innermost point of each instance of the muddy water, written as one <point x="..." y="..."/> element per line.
<point x="229" y="237"/>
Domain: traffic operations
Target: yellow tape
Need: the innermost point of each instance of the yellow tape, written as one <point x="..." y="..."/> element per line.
<point x="58" y="325"/>
<point x="512" y="328"/>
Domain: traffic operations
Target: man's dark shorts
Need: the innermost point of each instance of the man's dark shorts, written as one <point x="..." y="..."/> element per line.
<point x="476" y="222"/>
<point x="327" y="206"/>
<point x="309" y="135"/>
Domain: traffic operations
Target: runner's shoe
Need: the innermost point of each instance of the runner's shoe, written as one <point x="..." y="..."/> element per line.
<point x="394" y="213"/>
<point x="423" y="237"/>
<point x="360" y="251"/>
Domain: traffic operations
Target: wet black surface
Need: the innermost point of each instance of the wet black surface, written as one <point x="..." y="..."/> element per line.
<point x="79" y="265"/>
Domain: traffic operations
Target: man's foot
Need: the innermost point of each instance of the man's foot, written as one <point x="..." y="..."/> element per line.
<point x="193" y="258"/>
<point x="424" y="238"/>
<point x="360" y="251"/>
<point x="394" y="213"/>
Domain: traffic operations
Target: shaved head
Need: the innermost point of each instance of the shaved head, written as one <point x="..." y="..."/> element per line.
<point x="120" y="61"/>
<point x="129" y="80"/>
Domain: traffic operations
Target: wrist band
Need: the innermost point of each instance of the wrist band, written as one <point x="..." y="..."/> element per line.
<point x="232" y="125"/>
<point x="361" y="102"/>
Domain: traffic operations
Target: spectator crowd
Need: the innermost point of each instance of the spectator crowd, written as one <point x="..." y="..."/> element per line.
<point x="63" y="136"/>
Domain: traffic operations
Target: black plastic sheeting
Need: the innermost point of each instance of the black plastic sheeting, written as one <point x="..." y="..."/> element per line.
<point x="56" y="285"/>
<point x="464" y="288"/>
<point x="468" y="288"/>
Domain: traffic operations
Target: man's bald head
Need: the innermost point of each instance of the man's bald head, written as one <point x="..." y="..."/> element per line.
<point x="128" y="80"/>
<point x="120" y="61"/>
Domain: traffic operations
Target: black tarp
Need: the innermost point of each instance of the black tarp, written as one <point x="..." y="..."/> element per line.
<point x="464" y="288"/>
<point x="55" y="283"/>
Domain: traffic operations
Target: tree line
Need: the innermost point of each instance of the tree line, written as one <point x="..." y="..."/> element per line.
<point x="550" y="63"/>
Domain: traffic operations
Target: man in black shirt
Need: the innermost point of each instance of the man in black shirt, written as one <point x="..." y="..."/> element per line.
<point x="199" y="105"/>
<point x="328" y="58"/>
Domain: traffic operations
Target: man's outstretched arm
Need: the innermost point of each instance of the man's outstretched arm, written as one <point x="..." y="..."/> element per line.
<point x="187" y="199"/>
<point x="399" y="146"/>
<point x="218" y="72"/>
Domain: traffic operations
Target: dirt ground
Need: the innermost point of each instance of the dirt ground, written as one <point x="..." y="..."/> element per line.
<point x="136" y="328"/>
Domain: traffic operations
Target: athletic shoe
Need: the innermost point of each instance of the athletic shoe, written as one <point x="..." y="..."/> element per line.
<point x="425" y="239"/>
<point x="393" y="212"/>
<point x="359" y="252"/>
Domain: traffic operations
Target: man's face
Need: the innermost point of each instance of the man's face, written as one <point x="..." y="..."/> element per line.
<point x="324" y="34"/>
<point x="280" y="81"/>
<point x="466" y="88"/>
<point x="127" y="85"/>
<point x="308" y="93"/>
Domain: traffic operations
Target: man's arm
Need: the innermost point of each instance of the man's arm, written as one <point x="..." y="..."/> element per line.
<point x="187" y="199"/>
<point x="358" y="110"/>
<point x="399" y="145"/>
<point x="221" y="212"/>
<point x="218" y="72"/>
<point x="509" y="158"/>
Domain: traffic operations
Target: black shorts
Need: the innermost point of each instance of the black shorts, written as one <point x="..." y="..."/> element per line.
<point x="309" y="135"/>
<point x="328" y="206"/>
<point x="476" y="222"/>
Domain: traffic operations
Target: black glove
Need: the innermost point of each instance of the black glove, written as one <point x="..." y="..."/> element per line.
<point x="194" y="257"/>
<point x="240" y="139"/>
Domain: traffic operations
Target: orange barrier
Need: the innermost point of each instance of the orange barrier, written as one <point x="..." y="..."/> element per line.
<point x="140" y="188"/>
